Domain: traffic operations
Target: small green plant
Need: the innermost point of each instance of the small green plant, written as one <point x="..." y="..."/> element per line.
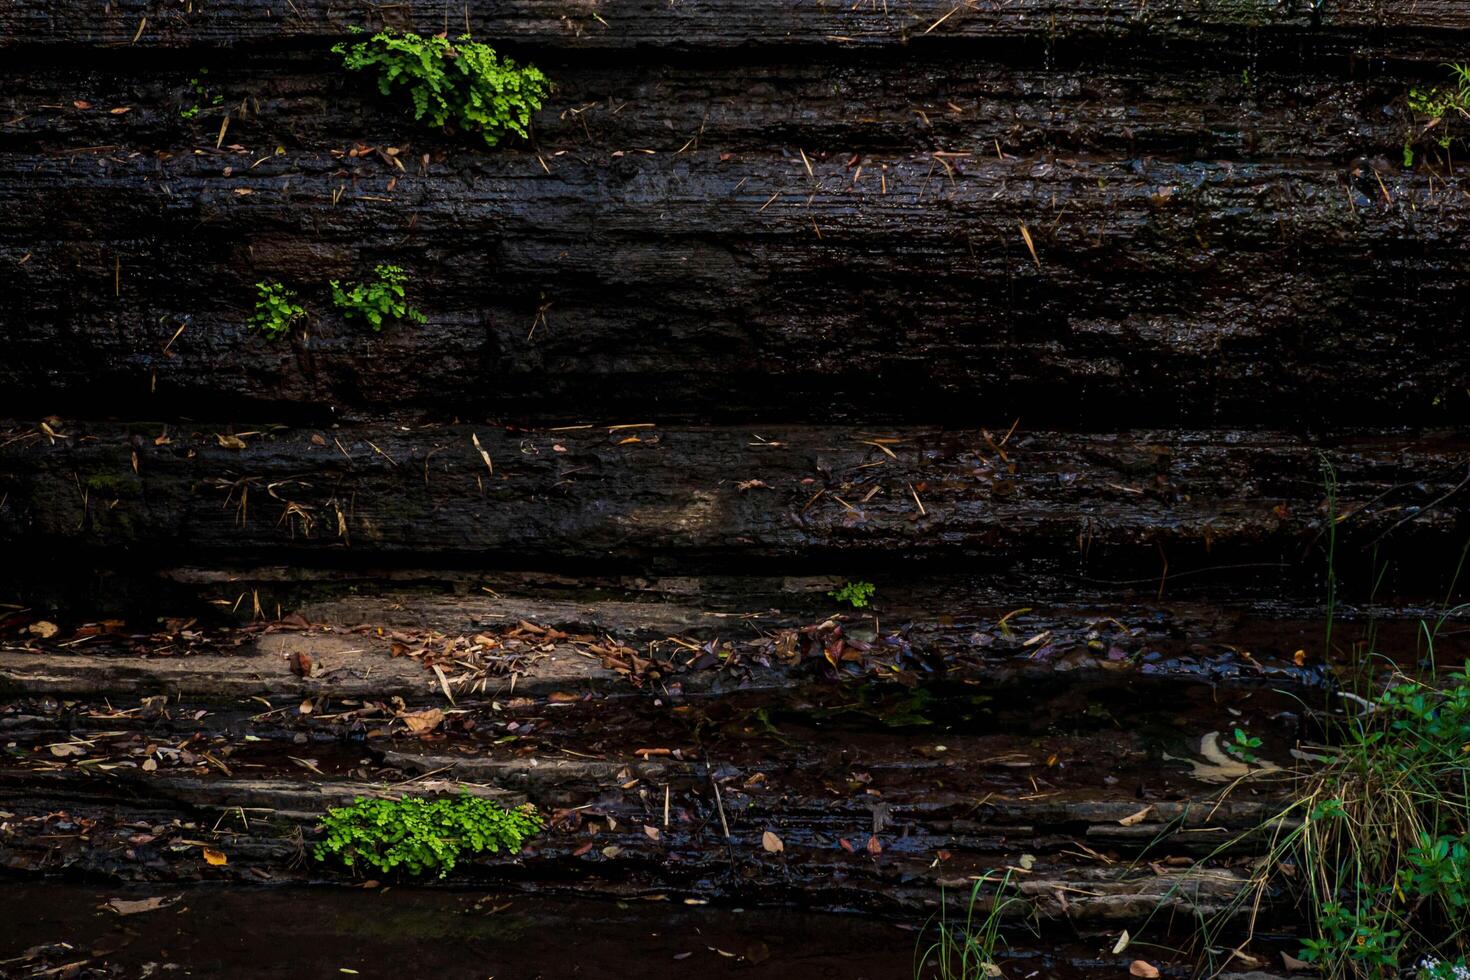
<point x="203" y="98"/>
<point x="462" y="83"/>
<point x="377" y="301"/>
<point x="1438" y="868"/>
<point x="966" y="951"/>
<point x="416" y="835"/>
<point x="1361" y="937"/>
<point x="275" y="309"/>
<point x="1376" y="843"/>
<point x="858" y="594"/>
<point x="1441" y="107"/>
<point x="1244" y="746"/>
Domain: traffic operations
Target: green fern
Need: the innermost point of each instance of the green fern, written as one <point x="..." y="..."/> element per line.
<point x="415" y="835"/>
<point x="858" y="594"/>
<point x="462" y="83"/>
<point x="275" y="309"/>
<point x="377" y="301"/>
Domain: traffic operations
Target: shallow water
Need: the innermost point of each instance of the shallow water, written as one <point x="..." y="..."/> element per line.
<point x="407" y="932"/>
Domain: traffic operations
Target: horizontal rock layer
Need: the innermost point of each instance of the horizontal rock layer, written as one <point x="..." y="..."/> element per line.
<point x="1223" y="233"/>
<point x="774" y="501"/>
<point x="714" y="23"/>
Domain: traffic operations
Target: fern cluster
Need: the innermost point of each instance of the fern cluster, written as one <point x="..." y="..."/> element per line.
<point x="377" y="301"/>
<point x="417" y="835"/>
<point x="275" y="309"/>
<point x="859" y="594"/>
<point x="462" y="83"/>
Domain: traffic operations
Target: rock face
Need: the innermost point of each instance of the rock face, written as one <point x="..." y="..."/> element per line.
<point x="1106" y="339"/>
<point x="1079" y="215"/>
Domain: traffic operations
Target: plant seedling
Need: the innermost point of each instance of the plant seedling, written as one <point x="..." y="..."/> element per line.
<point x="1244" y="745"/>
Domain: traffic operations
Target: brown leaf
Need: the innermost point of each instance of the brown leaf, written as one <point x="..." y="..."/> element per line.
<point x="422" y="722"/>
<point x="562" y="697"/>
<point x="772" y="843"/>
<point x="43" y="629"/>
<point x="301" y="664"/>
<point x="1294" y="964"/>
<point x="1137" y="818"/>
<point x="874" y="848"/>
<point x="217" y="858"/>
<point x="1139" y="968"/>
<point x="229" y="441"/>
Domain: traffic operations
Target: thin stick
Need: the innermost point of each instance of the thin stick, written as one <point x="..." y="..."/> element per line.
<point x="719" y="803"/>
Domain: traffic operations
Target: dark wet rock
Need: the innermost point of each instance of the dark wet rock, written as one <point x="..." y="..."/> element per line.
<point x="1050" y="319"/>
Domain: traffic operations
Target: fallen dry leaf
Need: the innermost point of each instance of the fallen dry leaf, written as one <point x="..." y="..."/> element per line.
<point x="1137" y="818"/>
<point x="218" y="857"/>
<point x="772" y="843"/>
<point x="229" y="441"/>
<point x="1122" y="943"/>
<point x="123" y="906"/>
<point x="1139" y="968"/>
<point x="422" y="722"/>
<point x="43" y="629"/>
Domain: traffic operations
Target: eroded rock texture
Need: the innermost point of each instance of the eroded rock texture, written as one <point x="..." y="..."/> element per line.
<point x="1088" y="331"/>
